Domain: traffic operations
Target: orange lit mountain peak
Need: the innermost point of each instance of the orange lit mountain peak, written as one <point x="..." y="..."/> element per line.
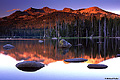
<point x="48" y="10"/>
<point x="67" y="10"/>
<point x="94" y="7"/>
<point x="45" y="8"/>
<point x="93" y="10"/>
<point x="34" y="17"/>
<point x="29" y="9"/>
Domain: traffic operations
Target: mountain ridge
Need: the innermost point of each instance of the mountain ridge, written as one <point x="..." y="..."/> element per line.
<point x="33" y="17"/>
<point x="43" y="10"/>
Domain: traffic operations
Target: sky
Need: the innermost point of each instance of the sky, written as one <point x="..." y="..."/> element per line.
<point x="8" y="7"/>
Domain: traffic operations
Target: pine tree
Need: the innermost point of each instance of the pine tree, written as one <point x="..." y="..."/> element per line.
<point x="99" y="29"/>
<point x="105" y="26"/>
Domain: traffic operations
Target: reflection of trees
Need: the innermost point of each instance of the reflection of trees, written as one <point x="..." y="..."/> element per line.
<point x="100" y="46"/>
<point x="32" y="50"/>
<point x="48" y="52"/>
<point x="63" y="51"/>
<point x="105" y="48"/>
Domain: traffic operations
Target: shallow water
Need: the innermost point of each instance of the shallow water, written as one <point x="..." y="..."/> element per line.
<point x="53" y="58"/>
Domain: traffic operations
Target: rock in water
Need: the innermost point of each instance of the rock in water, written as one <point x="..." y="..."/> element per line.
<point x="118" y="55"/>
<point x="64" y="44"/>
<point x="8" y="47"/>
<point x="29" y="66"/>
<point x="63" y="51"/>
<point x="40" y="41"/>
<point x="75" y="60"/>
<point x="97" y="66"/>
<point x="54" y="38"/>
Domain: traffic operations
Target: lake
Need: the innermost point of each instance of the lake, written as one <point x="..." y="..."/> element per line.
<point x="95" y="50"/>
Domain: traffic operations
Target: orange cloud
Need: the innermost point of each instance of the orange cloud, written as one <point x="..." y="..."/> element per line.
<point x="12" y="10"/>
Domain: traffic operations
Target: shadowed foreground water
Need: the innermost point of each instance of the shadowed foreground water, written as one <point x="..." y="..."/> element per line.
<point x="52" y="56"/>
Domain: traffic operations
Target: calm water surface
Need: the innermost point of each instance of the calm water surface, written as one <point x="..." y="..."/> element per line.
<point x="53" y="58"/>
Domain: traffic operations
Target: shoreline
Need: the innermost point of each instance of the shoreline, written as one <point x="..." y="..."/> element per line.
<point x="16" y="39"/>
<point x="59" y="38"/>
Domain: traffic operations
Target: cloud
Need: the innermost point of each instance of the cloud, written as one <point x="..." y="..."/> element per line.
<point x="12" y="10"/>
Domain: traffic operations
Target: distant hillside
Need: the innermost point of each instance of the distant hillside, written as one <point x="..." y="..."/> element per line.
<point x="36" y="18"/>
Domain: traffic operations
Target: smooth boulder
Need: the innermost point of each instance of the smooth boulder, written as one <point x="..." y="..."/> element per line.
<point x="29" y="66"/>
<point x="40" y="41"/>
<point x="97" y="66"/>
<point x="8" y="47"/>
<point x="76" y="60"/>
<point x="64" y="44"/>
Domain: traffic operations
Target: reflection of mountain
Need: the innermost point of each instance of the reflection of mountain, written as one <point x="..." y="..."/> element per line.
<point x="46" y="60"/>
<point x="96" y="60"/>
<point x="34" y="51"/>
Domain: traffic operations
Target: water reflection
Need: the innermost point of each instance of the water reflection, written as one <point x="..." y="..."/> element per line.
<point x="63" y="51"/>
<point x="48" y="51"/>
<point x="59" y="71"/>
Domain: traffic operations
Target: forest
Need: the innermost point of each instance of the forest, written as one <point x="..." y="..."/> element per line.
<point x="91" y="27"/>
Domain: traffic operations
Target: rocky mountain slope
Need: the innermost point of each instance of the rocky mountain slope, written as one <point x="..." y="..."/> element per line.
<point x="36" y="18"/>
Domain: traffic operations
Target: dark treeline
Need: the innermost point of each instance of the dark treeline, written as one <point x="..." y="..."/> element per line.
<point x="102" y="27"/>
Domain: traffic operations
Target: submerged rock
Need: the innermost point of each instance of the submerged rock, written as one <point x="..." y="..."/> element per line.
<point x="97" y="66"/>
<point x="8" y="47"/>
<point x="118" y="55"/>
<point x="29" y="66"/>
<point x="63" y="51"/>
<point x="64" y="44"/>
<point x="75" y="60"/>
